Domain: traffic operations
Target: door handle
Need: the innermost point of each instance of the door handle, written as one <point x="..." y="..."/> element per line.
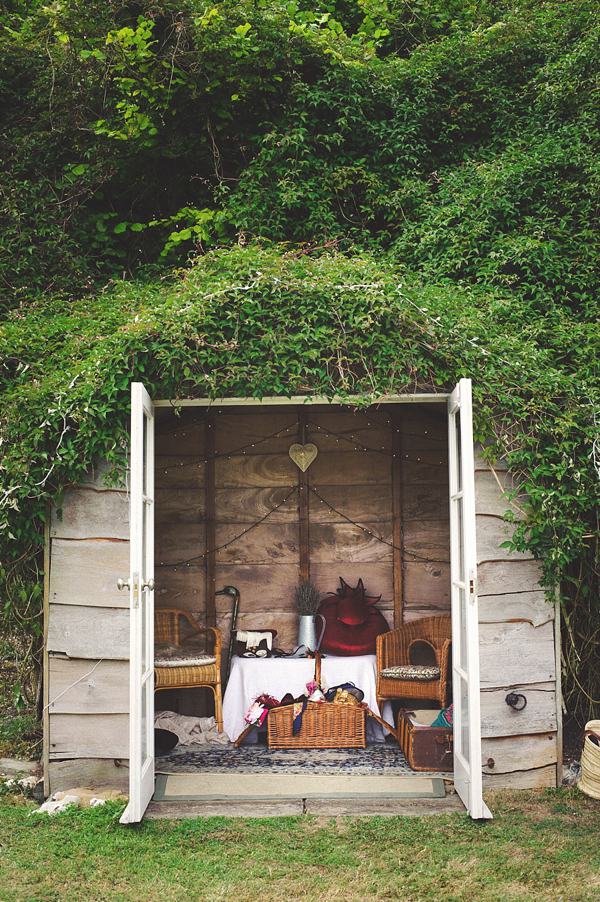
<point x="122" y="584"/>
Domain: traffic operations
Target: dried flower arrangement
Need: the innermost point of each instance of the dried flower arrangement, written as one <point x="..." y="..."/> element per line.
<point x="308" y="598"/>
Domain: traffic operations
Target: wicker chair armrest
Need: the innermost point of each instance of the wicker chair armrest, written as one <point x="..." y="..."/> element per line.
<point x="191" y="620"/>
<point x="216" y="638"/>
<point x="384" y="646"/>
<point x="445" y="659"/>
<point x="171" y="617"/>
<point x="392" y="648"/>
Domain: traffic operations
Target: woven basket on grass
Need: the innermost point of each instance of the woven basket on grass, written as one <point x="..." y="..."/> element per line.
<point x="590" y="761"/>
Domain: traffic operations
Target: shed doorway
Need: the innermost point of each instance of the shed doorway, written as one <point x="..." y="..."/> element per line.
<point x="230" y="507"/>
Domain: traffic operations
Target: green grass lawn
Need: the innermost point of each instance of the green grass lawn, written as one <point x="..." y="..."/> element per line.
<point x="542" y="846"/>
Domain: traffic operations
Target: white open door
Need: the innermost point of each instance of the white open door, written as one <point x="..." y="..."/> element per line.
<point x="141" y="602"/>
<point x="465" y="626"/>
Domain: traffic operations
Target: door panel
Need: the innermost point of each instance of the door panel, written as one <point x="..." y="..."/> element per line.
<point x="465" y="623"/>
<point x="141" y="598"/>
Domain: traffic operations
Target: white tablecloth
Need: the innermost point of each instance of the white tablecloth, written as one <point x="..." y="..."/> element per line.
<point x="250" y="677"/>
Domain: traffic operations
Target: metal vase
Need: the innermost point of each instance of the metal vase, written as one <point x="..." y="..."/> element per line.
<point x="307" y="633"/>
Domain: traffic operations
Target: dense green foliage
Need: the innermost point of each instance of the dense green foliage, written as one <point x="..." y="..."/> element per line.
<point x="350" y="197"/>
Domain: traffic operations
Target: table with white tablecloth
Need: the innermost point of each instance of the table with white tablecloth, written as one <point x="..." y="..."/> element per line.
<point x="251" y="677"/>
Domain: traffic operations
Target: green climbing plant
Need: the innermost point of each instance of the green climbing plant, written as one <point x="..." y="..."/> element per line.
<point x="346" y="197"/>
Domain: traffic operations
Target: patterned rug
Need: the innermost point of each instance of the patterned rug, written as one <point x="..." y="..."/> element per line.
<point x="378" y="758"/>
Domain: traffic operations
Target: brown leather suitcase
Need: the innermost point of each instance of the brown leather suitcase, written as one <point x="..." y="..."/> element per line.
<point x="425" y="747"/>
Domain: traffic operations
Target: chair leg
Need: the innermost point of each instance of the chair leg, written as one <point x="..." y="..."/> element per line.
<point x="218" y="707"/>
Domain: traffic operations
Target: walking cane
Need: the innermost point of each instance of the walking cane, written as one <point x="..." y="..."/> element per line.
<point x="231" y="590"/>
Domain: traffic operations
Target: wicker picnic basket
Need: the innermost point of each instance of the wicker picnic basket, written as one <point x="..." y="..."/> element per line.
<point x="324" y="725"/>
<point x="590" y="760"/>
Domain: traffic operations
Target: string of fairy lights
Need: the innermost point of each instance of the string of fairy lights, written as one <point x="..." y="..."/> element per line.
<point x="235" y="452"/>
<point x="365" y="529"/>
<point x="203" y="554"/>
<point x="293" y="490"/>
<point x="292" y="428"/>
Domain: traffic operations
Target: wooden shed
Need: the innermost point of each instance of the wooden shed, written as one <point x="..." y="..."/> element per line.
<point x="397" y="496"/>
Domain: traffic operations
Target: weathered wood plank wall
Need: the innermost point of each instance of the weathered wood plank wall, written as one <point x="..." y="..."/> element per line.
<point x="180" y="509"/>
<point x="253" y="475"/>
<point x="350" y="510"/>
<point x="88" y="636"/>
<point x="516" y="647"/>
<point x="350" y="486"/>
<point x="426" y="523"/>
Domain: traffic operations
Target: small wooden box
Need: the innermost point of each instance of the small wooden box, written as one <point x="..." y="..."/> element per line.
<point x="425" y="747"/>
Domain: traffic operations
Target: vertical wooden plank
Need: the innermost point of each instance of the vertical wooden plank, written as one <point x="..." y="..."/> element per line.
<point x="303" y="517"/>
<point x="559" y="698"/>
<point x="209" y="448"/>
<point x="397" y="531"/>
<point x="46" y="667"/>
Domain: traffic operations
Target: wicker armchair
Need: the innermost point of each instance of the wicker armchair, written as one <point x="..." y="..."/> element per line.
<point x="169" y="626"/>
<point x="419" y="642"/>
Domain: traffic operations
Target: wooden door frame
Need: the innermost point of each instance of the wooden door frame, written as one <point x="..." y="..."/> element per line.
<point x="301" y="400"/>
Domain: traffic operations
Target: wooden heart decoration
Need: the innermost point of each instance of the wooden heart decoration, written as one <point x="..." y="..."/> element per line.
<point x="303" y="455"/>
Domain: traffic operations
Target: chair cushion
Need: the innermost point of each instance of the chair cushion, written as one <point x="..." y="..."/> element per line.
<point x="411" y="672"/>
<point x="184" y="659"/>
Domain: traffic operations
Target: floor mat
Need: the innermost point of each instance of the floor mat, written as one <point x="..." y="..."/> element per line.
<point x="212" y="786"/>
<point x="379" y="758"/>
